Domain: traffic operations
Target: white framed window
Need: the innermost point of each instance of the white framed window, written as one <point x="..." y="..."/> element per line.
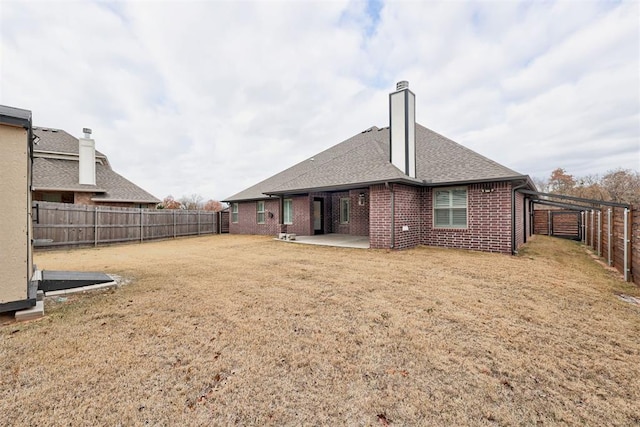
<point x="287" y="214"/>
<point x="450" y="207"/>
<point x="345" y="210"/>
<point x="234" y="212"/>
<point x="260" y="211"/>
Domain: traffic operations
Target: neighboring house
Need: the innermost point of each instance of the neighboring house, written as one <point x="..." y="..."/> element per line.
<point x="70" y="170"/>
<point x="402" y="186"/>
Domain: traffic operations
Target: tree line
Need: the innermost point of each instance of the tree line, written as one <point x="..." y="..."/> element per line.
<point x="192" y="203"/>
<point x="618" y="185"/>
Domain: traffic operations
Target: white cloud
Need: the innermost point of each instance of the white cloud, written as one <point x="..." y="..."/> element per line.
<point x="211" y="97"/>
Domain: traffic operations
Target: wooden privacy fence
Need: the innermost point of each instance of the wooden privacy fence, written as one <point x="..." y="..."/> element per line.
<point x="605" y="231"/>
<point x="63" y="224"/>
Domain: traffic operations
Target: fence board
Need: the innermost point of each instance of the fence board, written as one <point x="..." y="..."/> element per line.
<point x="63" y="224"/>
<point x="600" y="241"/>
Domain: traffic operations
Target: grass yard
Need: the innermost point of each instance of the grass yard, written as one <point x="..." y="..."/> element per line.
<point x="245" y="330"/>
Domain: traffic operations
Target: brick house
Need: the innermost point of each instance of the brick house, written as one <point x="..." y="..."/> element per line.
<point x="70" y="170"/>
<point x="402" y="185"/>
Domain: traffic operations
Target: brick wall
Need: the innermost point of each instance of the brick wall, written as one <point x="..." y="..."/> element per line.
<point x="407" y="216"/>
<point x="488" y="217"/>
<point x="358" y="214"/>
<point x="302" y="216"/>
<point x="380" y="217"/>
<point x="247" y="218"/>
<point x="407" y="203"/>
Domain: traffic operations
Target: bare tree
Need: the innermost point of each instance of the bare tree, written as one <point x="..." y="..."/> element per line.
<point x="192" y="202"/>
<point x="622" y="185"/>
<point x="542" y="184"/>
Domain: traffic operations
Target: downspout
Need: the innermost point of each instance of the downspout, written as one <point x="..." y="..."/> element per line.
<point x="525" y="203"/>
<point x="393" y="214"/>
<point x="513" y="216"/>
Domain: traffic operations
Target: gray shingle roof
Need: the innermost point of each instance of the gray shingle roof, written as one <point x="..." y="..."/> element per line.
<point x="62" y="174"/>
<point x="57" y="140"/>
<point x="364" y="159"/>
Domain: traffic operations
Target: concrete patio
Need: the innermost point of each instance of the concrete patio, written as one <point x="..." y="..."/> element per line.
<point x="338" y="240"/>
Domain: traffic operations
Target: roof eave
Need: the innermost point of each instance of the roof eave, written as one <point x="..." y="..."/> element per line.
<point x="115" y="200"/>
<point x="477" y="181"/>
<point x="77" y="190"/>
<point x="65" y="153"/>
<point x="343" y="187"/>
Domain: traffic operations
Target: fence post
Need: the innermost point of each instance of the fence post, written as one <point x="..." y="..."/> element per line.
<point x="625" y="240"/>
<point x="610" y="236"/>
<point x="174" y="223"/>
<point x="198" y="222"/>
<point x="141" y="226"/>
<point x="599" y="232"/>
<point x="548" y="223"/>
<point x="95" y="227"/>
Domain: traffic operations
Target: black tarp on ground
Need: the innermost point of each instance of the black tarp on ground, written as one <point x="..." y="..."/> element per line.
<point x="58" y="280"/>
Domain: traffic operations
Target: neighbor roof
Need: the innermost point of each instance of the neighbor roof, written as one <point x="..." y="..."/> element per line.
<point x="364" y="160"/>
<point x="52" y="173"/>
<point x="57" y="141"/>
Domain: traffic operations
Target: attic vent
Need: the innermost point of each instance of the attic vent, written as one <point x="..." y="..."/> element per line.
<point x="45" y="130"/>
<point x="368" y="130"/>
<point x="54" y="130"/>
<point x="403" y="84"/>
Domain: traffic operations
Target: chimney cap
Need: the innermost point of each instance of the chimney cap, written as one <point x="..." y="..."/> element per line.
<point x="87" y="132"/>
<point x="402" y="84"/>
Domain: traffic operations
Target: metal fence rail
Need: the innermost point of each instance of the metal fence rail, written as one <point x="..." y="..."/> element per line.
<point x="63" y="224"/>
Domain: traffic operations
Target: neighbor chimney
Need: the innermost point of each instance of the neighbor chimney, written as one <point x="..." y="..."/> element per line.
<point x="87" y="154"/>
<point x="402" y="129"/>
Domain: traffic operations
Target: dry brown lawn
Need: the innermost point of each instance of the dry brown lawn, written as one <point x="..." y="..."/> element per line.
<point x="227" y="330"/>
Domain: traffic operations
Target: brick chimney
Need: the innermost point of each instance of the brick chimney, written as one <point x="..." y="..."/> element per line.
<point x="87" y="154"/>
<point x="402" y="128"/>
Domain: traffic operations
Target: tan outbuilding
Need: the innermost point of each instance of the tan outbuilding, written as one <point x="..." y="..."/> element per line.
<point x="17" y="288"/>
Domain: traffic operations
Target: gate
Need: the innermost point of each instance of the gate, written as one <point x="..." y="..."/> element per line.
<point x="565" y="224"/>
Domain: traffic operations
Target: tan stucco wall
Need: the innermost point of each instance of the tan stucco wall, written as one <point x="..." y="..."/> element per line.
<point x="15" y="219"/>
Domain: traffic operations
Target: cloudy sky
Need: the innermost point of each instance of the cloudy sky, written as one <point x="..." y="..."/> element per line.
<point x="211" y="97"/>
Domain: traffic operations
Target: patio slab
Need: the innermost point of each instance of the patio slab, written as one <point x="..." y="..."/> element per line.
<point x="338" y="240"/>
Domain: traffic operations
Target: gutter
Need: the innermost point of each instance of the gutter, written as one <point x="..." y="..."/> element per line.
<point x="513" y="216"/>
